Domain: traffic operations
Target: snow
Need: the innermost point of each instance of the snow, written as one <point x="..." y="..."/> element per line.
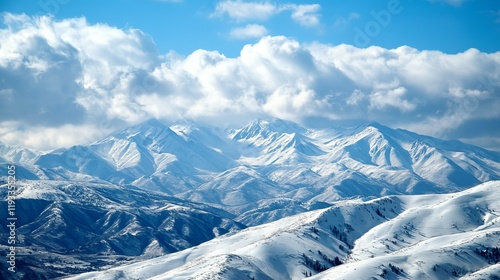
<point x="267" y="171"/>
<point x="18" y="154"/>
<point x="339" y="161"/>
<point x="391" y="237"/>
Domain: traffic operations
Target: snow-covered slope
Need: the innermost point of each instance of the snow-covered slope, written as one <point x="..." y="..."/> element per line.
<point x="310" y="165"/>
<point x="17" y="154"/>
<point x="84" y="226"/>
<point x="23" y="159"/>
<point x="247" y="168"/>
<point x="239" y="186"/>
<point x="127" y="195"/>
<point x="187" y="155"/>
<point x="149" y="155"/>
<point x="396" y="160"/>
<point x="275" y="142"/>
<point x="439" y="236"/>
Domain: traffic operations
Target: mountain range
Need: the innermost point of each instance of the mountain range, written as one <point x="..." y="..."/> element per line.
<point x="440" y="236"/>
<point x="251" y="167"/>
<point x="68" y="227"/>
<point x="154" y="189"/>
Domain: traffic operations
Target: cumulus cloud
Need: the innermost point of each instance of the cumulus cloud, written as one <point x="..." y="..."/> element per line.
<point x="287" y="100"/>
<point x="50" y="137"/>
<point x="68" y="82"/>
<point x="248" y="31"/>
<point x="391" y="97"/>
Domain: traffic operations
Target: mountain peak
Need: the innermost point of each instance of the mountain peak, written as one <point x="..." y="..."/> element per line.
<point x="376" y="125"/>
<point x="372" y="129"/>
<point x="285" y="126"/>
<point x="372" y="126"/>
<point x="184" y="127"/>
<point x="267" y="126"/>
<point x="148" y="128"/>
<point x="17" y="154"/>
<point x="152" y="123"/>
<point x="151" y="134"/>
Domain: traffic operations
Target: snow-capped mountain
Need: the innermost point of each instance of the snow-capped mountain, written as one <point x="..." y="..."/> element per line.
<point x="187" y="155"/>
<point x="149" y="155"/>
<point x="10" y="154"/>
<point x="439" y="236"/>
<point x="153" y="189"/>
<point x="81" y="226"/>
<point x="17" y="154"/>
<point x="275" y="142"/>
<point x="244" y="169"/>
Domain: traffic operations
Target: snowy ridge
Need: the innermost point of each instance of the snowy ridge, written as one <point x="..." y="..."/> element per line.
<point x="247" y="168"/>
<point x="68" y="227"/>
<point x="436" y="236"/>
<point x="14" y="155"/>
<point x="162" y="188"/>
<point x="187" y="155"/>
<point x="17" y="154"/>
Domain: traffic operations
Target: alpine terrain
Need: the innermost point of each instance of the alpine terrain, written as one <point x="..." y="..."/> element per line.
<point x="440" y="236"/>
<point x="270" y="200"/>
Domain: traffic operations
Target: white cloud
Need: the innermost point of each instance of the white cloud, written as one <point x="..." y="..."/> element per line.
<point x="59" y="87"/>
<point x="48" y="138"/>
<point x="306" y="15"/>
<point x="392" y="97"/>
<point x="342" y="22"/>
<point x="293" y="102"/>
<point x="355" y="98"/>
<point x="456" y="3"/>
<point x="249" y="31"/>
<point x="243" y="11"/>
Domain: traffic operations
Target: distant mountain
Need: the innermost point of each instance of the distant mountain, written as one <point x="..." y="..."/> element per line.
<point x="17" y="154"/>
<point x="244" y="168"/>
<point x="439" y="236"/>
<point x="266" y="128"/>
<point x="68" y="227"/>
<point x="13" y="154"/>
<point x="154" y="189"/>
<point x="275" y="142"/>
<point x="149" y="155"/>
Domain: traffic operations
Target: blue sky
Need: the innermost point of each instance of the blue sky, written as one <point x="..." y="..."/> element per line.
<point x="186" y="25"/>
<point x="73" y="71"/>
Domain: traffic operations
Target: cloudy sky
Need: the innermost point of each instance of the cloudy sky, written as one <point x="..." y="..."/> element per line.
<point x="72" y="71"/>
